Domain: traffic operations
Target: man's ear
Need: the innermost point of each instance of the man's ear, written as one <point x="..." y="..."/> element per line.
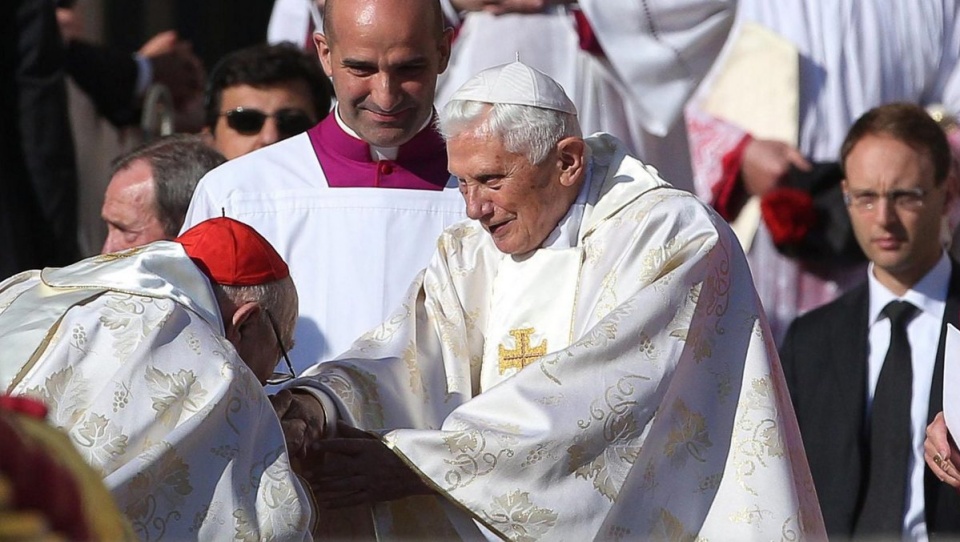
<point x="239" y="322"/>
<point x="571" y="160"/>
<point x="323" y="51"/>
<point x="446" y="45"/>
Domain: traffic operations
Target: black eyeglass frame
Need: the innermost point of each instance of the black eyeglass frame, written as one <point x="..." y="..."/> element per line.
<point x="278" y="377"/>
<point x="290" y="120"/>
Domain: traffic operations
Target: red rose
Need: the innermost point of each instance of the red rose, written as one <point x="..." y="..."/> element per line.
<point x="788" y="213"/>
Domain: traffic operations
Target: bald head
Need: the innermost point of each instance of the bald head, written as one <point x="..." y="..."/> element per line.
<point x="427" y="15"/>
<point x="384" y="57"/>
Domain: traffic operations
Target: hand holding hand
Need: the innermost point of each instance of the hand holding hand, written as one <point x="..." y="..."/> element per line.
<point x="357" y="468"/>
<point x="302" y="420"/>
<point x="941" y="453"/>
<point x="765" y="162"/>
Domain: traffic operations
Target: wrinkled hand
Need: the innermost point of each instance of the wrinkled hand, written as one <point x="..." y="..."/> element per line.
<point x="302" y="420"/>
<point x="500" y="7"/>
<point x="176" y="66"/>
<point x="941" y="453"/>
<point x="357" y="468"/>
<point x="765" y="162"/>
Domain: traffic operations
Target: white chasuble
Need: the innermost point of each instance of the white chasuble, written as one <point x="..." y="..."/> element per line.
<point x="531" y="313"/>
<point x="665" y="417"/>
<point x="127" y="351"/>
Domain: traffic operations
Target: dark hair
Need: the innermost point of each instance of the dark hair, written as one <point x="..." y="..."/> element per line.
<point x="177" y="162"/>
<point x="907" y="123"/>
<point x="263" y="66"/>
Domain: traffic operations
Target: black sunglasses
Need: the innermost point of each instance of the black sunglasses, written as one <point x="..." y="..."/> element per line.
<point x="248" y="122"/>
<point x="280" y="377"/>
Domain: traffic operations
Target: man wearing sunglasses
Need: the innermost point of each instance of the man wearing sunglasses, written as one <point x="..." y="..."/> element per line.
<point x="263" y="94"/>
<point x="355" y="205"/>
<point x="152" y="360"/>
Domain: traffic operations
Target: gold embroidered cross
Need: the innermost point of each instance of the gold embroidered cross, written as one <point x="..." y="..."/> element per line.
<point x="523" y="354"/>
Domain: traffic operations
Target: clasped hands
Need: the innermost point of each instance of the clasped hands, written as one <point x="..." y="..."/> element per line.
<point x="352" y="468"/>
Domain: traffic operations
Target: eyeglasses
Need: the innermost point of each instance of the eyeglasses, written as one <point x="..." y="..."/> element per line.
<point x="904" y="200"/>
<point x="280" y="377"/>
<point x="290" y="122"/>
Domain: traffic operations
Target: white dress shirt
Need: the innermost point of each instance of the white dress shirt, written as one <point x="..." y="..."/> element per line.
<point x="929" y="295"/>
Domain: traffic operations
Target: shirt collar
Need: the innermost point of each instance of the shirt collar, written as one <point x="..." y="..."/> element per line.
<point x="376" y="153"/>
<point x="929" y="294"/>
<point x="568" y="229"/>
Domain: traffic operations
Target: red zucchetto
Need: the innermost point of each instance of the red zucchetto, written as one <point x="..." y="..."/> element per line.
<point x="232" y="253"/>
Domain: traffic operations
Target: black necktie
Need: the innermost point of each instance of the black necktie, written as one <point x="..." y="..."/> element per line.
<point x="890" y="438"/>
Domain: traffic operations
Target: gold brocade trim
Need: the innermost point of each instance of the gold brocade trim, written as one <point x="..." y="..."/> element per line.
<point x="450" y="498"/>
<point x="113" y="256"/>
<point x="42" y="347"/>
<point x="521" y="355"/>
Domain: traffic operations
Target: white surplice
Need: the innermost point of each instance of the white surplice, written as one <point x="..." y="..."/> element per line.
<point x="654" y="59"/>
<point x="853" y="56"/>
<point x="127" y="350"/>
<point x="626" y="387"/>
<point x="352" y="252"/>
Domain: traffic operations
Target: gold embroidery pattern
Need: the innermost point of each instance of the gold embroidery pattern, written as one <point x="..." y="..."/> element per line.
<point x="669" y="527"/>
<point x="409" y="359"/>
<point x="114" y="256"/>
<point x="522" y="354"/>
<point x="471" y="458"/>
<point x="364" y="403"/>
<point x="121" y="397"/>
<point x="130" y="318"/>
<point x="517" y="517"/>
<point x="758" y="436"/>
<point x="689" y="434"/>
<point x="174" y="394"/>
<point x="99" y="441"/>
<point x="63" y="391"/>
<point x="608" y="461"/>
<point x="158" y="492"/>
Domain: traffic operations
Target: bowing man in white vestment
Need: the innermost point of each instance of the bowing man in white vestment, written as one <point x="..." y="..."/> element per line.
<point x="152" y="360"/>
<point x="585" y="359"/>
<point x="356" y="203"/>
<point x="628" y="66"/>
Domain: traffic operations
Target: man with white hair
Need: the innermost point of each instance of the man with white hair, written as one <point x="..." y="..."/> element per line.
<point x="585" y="359"/>
<point x="152" y="361"/>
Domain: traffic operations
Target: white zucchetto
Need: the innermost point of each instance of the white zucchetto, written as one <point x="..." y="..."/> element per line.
<point x="518" y="84"/>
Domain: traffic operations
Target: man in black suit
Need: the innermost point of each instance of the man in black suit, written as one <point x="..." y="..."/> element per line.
<point x="866" y="371"/>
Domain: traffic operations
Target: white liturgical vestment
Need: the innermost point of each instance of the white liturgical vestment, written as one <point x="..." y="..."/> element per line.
<point x="127" y="351"/>
<point x="352" y="249"/>
<point x="625" y="388"/>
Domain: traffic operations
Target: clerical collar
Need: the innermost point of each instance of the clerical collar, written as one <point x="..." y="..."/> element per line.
<point x="929" y="294"/>
<point x="346" y="161"/>
<point x="568" y="229"/>
<point x="376" y="153"/>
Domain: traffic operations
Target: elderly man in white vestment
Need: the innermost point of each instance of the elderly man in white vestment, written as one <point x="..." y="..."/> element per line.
<point x="152" y="361"/>
<point x="585" y="359"/>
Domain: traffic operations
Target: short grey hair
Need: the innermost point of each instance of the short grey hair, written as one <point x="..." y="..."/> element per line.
<point x="531" y="131"/>
<point x="279" y="297"/>
<point x="178" y="162"/>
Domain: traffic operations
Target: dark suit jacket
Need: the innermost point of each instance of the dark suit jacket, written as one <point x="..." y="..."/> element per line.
<point x="38" y="184"/>
<point x="109" y="77"/>
<point x="824" y="359"/>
